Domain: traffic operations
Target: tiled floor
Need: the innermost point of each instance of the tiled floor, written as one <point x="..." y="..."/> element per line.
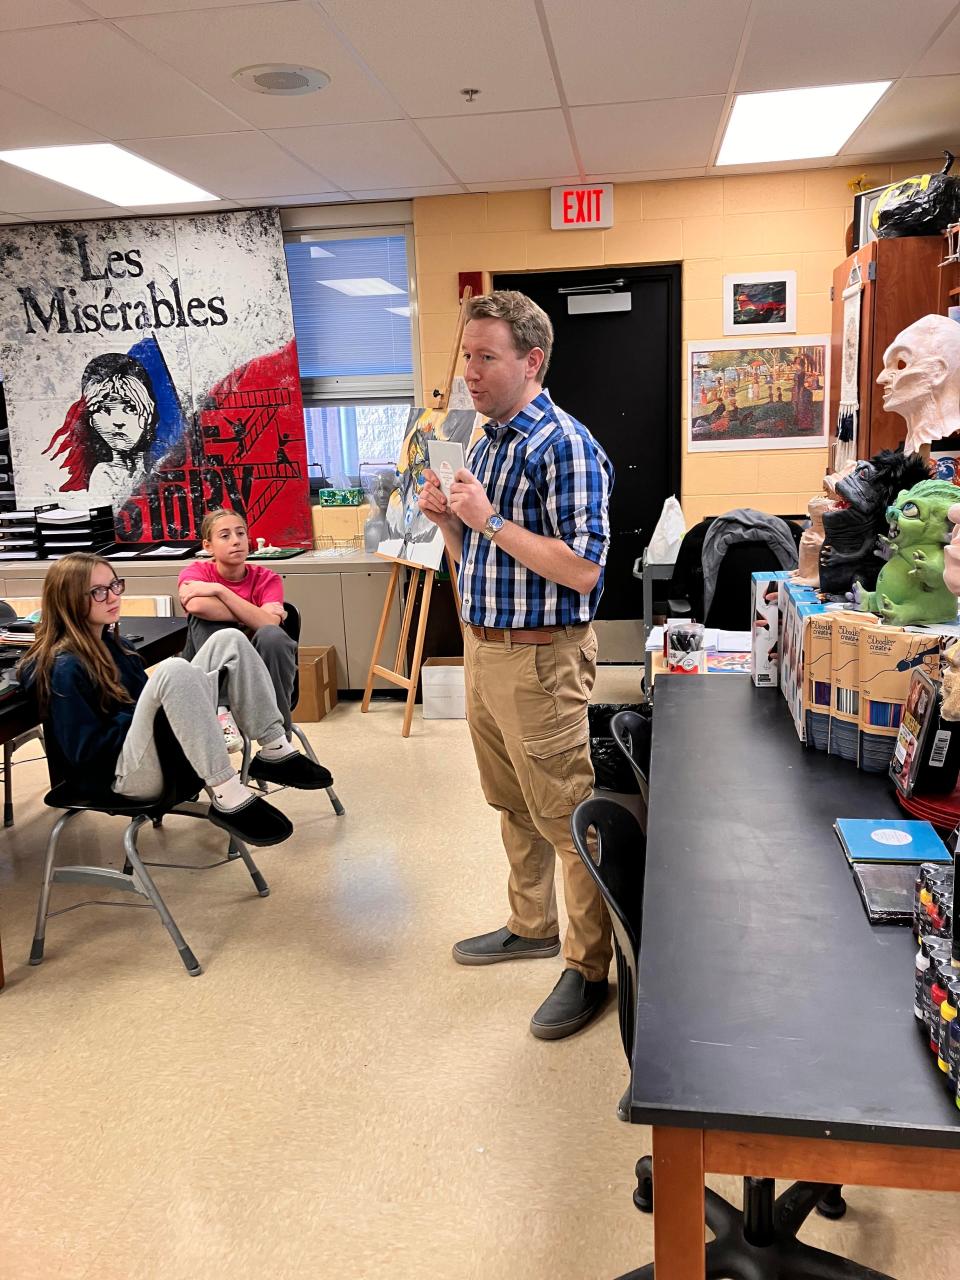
<point x="334" y="1098"/>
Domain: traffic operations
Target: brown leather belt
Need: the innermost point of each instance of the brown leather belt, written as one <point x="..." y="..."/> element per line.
<point x="516" y="635"/>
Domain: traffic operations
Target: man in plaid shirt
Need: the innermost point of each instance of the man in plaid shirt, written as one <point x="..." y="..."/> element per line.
<point x="527" y="522"/>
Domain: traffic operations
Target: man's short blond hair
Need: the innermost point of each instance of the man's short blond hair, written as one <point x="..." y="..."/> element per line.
<point x="529" y="324"/>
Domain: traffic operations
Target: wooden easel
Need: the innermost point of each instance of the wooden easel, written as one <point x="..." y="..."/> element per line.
<point x="418" y="574"/>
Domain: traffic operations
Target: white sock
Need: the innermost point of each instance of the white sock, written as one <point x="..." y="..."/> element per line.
<point x="278" y="750"/>
<point x="230" y="795"/>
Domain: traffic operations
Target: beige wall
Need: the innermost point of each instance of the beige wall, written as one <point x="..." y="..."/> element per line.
<point x="761" y="222"/>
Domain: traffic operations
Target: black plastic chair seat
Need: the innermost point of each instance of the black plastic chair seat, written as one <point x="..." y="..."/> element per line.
<point x="65" y="796"/>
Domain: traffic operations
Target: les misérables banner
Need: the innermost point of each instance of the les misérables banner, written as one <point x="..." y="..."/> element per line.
<point x="151" y="363"/>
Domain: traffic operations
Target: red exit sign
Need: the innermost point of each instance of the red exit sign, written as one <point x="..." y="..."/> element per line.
<point x="574" y="208"/>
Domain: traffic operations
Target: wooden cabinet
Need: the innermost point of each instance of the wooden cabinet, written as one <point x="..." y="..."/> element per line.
<point x="901" y="283"/>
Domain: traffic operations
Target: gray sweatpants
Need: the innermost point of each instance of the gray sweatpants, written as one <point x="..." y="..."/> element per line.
<point x="188" y="693"/>
<point x="277" y="650"/>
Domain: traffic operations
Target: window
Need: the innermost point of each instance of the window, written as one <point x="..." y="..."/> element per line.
<point x="352" y="315"/>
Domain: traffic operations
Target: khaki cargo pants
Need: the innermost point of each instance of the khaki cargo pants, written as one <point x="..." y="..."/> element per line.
<point x="527" y="712"/>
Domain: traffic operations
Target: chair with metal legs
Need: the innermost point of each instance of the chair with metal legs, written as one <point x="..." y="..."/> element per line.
<point x="181" y="788"/>
<point x="760" y="1242"/>
<point x="291" y="625"/>
<point x="633" y="734"/>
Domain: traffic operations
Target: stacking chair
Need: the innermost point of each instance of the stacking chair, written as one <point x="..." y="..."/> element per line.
<point x="291" y="625"/>
<point x="181" y="788"/>
<point x="761" y="1242"/>
<point x="9" y="614"/>
<point x="633" y="734"/>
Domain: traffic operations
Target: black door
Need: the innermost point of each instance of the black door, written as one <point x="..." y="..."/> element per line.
<point x="619" y="373"/>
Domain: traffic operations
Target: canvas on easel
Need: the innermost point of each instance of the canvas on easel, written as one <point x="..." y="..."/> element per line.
<point x="411" y="537"/>
<point x="414" y="542"/>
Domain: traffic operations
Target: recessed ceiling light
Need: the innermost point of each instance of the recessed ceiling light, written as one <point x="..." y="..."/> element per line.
<point x="796" y="124"/>
<point x="283" y="79"/>
<point x="363" y="286"/>
<point x="100" y="169"/>
<point x="399" y="311"/>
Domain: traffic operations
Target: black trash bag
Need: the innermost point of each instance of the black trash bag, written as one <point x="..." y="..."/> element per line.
<point x="612" y="768"/>
<point x="924" y="205"/>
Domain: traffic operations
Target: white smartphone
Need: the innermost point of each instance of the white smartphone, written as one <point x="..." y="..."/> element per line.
<point x="446" y="459"/>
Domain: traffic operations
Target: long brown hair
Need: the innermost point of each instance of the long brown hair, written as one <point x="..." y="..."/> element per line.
<point x="63" y="628"/>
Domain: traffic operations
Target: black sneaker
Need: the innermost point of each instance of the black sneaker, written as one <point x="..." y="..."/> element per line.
<point x="295" y="770"/>
<point x="490" y="948"/>
<point x="572" y="1003"/>
<point x="256" y="822"/>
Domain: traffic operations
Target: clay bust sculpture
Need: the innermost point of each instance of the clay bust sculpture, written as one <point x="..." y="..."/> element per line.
<point x="811" y="540"/>
<point x="851" y="531"/>
<point x="910" y="588"/>
<point x="921" y="379"/>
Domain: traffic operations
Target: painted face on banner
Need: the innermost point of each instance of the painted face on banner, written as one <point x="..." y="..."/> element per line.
<point x="119" y="423"/>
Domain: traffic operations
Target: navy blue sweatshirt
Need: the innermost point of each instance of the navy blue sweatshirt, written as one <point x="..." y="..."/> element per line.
<point x="90" y="738"/>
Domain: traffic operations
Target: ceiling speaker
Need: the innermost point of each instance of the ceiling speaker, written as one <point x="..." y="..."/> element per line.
<point x="281" y="79"/>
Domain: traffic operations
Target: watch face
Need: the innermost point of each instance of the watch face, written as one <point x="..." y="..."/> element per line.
<point x="495" y="523"/>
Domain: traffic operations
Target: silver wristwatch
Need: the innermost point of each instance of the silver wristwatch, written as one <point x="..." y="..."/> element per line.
<point x="493" y="526"/>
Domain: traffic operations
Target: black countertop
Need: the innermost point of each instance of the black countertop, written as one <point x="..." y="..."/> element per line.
<point x="768" y="1002"/>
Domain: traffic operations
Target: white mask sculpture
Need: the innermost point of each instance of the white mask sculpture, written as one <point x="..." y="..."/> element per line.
<point x="921" y="380"/>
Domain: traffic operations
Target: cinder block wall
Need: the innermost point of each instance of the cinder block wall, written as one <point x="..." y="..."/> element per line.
<point x="712" y="226"/>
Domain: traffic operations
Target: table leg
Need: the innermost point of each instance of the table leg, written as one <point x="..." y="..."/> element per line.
<point x="678" y="1204"/>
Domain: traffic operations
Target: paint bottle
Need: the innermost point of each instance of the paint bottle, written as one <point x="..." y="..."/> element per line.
<point x="921" y="969"/>
<point x="939" y="951"/>
<point x="954" y="1045"/>
<point x="926" y="872"/>
<point x="938" y="912"/>
<point x="938" y="993"/>
<point x="948" y="1013"/>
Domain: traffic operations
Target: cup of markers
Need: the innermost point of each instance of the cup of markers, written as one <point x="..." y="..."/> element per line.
<point x="684" y="645"/>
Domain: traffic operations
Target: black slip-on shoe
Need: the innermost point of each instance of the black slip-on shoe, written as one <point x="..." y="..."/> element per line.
<point x="295" y="770"/>
<point x="255" y="823"/>
<point x="491" y="948"/>
<point x="572" y="1003"/>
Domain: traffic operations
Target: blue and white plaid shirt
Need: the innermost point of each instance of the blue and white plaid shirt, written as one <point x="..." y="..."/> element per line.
<point x="544" y="471"/>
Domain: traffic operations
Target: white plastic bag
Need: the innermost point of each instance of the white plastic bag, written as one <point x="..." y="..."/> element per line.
<point x="667" y="536"/>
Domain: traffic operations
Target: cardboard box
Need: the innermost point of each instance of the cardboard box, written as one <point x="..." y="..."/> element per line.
<point x="318" y="683"/>
<point x="845" y="667"/>
<point x="444" y="690"/>
<point x="888" y="658"/>
<point x="765" y="611"/>
<point x="818" y="681"/>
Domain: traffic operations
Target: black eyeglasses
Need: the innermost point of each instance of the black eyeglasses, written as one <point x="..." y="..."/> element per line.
<point x="118" y="586"/>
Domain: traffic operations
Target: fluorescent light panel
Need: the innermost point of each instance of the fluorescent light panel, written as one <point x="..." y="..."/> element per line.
<point x="100" y="169"/>
<point x="363" y="286"/>
<point x="796" y="124"/>
<point x="399" y="311"/>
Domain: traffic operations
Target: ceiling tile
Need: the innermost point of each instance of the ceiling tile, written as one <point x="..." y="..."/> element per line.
<point x="366" y="157"/>
<point x="918" y="116"/>
<point x="943" y="57"/>
<point x="136" y="8"/>
<point x="93" y="75"/>
<point x="291" y="201"/>
<point x="74" y="215"/>
<point x="634" y="136"/>
<point x="21" y="191"/>
<point x="209" y="45"/>
<point x="24" y="124"/>
<point x="17" y="14"/>
<point x="504" y="148"/>
<point x="10" y="217"/>
<point x="528" y="184"/>
<point x="406" y="193"/>
<point x="462" y="51"/>
<point x="822" y="42"/>
<point x="238" y="165"/>
<point x="645" y="50"/>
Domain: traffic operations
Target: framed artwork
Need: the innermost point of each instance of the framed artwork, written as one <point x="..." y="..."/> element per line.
<point x="770" y="395"/>
<point x="760" y="302"/>
<point x="864" y="204"/>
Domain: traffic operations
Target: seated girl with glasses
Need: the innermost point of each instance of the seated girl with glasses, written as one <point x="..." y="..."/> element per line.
<point x="97" y="701"/>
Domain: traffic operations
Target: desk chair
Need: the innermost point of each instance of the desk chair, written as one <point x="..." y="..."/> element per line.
<point x="633" y="734"/>
<point x="761" y="1242"/>
<point x="181" y="787"/>
<point x="291" y="625"/>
